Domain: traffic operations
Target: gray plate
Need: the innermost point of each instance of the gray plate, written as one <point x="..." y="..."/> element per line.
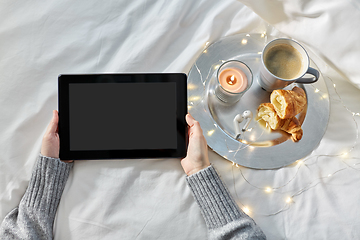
<point x="258" y="147"/>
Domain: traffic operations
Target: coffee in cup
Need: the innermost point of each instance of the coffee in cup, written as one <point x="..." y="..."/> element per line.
<point x="283" y="62"/>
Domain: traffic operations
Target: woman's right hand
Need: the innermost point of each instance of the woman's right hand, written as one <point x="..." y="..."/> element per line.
<point x="197" y="153"/>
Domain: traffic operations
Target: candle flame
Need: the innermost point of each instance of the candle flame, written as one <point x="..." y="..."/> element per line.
<point x="231" y="80"/>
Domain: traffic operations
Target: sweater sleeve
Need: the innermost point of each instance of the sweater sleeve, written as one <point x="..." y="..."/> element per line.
<point x="223" y="217"/>
<point x="34" y="217"/>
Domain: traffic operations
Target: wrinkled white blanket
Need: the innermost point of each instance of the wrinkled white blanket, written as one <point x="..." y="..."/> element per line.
<point x="149" y="199"/>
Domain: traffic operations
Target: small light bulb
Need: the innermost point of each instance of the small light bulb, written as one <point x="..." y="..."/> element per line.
<point x="246" y="210"/>
<point x="191" y="86"/>
<point x="194" y="98"/>
<point x="289" y="200"/>
<point x="209" y="133"/>
<point x="268" y="190"/>
<point x="244" y="41"/>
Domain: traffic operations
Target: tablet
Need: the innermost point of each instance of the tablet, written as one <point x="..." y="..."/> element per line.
<point x="122" y="116"/>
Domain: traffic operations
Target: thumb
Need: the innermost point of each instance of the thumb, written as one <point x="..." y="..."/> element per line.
<point x="194" y="125"/>
<point x="190" y="120"/>
<point x="53" y="123"/>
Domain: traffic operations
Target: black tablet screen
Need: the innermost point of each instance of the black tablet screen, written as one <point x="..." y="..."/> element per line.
<point x="111" y="116"/>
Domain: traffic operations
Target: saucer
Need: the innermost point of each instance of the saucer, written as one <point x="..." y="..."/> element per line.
<point x="258" y="147"/>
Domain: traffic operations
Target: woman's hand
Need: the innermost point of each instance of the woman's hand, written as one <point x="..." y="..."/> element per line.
<point x="50" y="146"/>
<point x="197" y="154"/>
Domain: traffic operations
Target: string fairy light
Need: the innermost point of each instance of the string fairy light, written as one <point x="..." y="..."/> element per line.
<point x="199" y="99"/>
<point x="290" y="199"/>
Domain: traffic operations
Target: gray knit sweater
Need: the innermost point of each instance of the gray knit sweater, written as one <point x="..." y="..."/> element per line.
<point x="34" y="218"/>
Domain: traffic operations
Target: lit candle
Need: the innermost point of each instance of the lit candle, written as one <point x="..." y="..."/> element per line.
<point x="233" y="80"/>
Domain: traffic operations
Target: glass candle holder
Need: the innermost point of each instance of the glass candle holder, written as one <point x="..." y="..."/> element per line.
<point x="234" y="78"/>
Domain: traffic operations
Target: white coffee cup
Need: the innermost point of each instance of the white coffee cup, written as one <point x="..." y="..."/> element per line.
<point x="272" y="78"/>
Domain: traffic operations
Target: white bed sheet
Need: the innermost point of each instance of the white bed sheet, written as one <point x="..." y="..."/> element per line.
<point x="149" y="199"/>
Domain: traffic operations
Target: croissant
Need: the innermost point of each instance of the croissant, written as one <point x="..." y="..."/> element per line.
<point x="288" y="103"/>
<point x="292" y="126"/>
<point x="266" y="111"/>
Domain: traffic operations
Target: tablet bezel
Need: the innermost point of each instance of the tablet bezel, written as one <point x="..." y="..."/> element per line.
<point x="64" y="122"/>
